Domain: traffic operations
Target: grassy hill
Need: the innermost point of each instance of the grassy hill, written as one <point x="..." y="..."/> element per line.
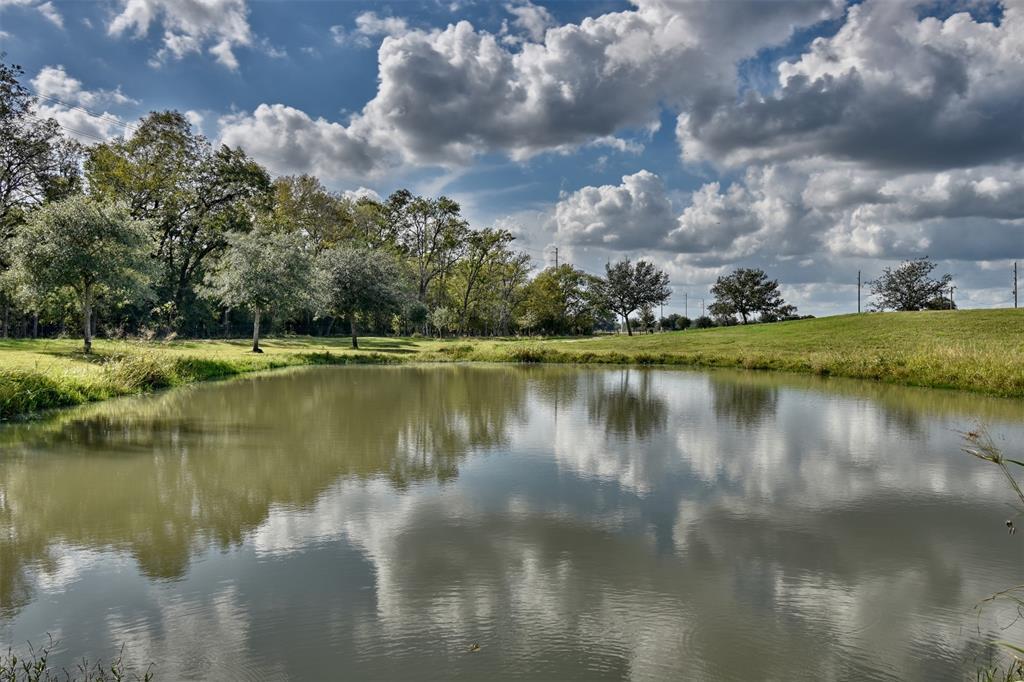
<point x="974" y="350"/>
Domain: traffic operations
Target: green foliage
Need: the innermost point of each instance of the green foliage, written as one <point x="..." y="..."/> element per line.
<point x="93" y="249"/>
<point x="193" y="195"/>
<point x="37" y="164"/>
<point x="628" y="288"/>
<point x="910" y="287"/>
<point x="918" y="349"/>
<point x="562" y="300"/>
<point x="747" y="292"/>
<point x="675" y="321"/>
<point x="444" y="320"/>
<point x="303" y="206"/>
<point x="355" y="280"/>
<point x="263" y="272"/>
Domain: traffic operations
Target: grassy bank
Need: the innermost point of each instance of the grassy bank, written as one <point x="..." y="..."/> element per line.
<point x="977" y="350"/>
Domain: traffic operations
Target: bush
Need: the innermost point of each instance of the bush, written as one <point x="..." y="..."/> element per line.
<point x="704" y="322"/>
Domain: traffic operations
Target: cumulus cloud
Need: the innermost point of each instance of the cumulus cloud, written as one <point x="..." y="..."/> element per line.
<point x="785" y="211"/>
<point x="530" y="19"/>
<point x="189" y="26"/>
<point x="889" y="90"/>
<point x="448" y="95"/>
<point x="59" y="93"/>
<point x="290" y="141"/>
<point x="634" y="214"/>
<point x="362" y="193"/>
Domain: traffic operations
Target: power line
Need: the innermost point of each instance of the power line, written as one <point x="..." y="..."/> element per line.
<point x="104" y="117"/>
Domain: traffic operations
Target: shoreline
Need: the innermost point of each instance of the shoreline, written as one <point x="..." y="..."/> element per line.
<point x="904" y="349"/>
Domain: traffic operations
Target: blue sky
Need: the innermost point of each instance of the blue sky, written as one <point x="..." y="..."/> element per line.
<point x="811" y="138"/>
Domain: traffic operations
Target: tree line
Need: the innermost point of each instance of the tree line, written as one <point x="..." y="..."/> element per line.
<point x="159" y="232"/>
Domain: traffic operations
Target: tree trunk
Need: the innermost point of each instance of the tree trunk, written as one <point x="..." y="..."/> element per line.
<point x="352" y="327"/>
<point x="227" y="323"/>
<point x="87" y="319"/>
<point x="256" y="332"/>
<point x="35" y="324"/>
<point x="7" y="317"/>
<point x="629" y="327"/>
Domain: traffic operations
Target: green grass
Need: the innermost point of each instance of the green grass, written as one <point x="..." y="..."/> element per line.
<point x="976" y="350"/>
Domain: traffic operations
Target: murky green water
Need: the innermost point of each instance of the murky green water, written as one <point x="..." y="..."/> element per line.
<point x="375" y="522"/>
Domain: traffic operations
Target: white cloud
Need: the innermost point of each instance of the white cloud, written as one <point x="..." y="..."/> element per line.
<point x="369" y="25"/>
<point x="446" y="96"/>
<point x="361" y="193"/>
<point x="47" y="9"/>
<point x="194" y="118"/>
<point x="889" y="90"/>
<point x="189" y="26"/>
<point x="52" y="15"/>
<point x="290" y="141"/>
<point x="533" y="20"/>
<point x="59" y="92"/>
<point x="636" y="213"/>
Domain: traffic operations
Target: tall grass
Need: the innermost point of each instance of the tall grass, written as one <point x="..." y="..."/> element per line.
<point x="979" y="443"/>
<point x="25" y="392"/>
<point x="34" y="666"/>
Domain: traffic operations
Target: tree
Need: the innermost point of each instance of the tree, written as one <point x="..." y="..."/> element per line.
<point x="195" y="196"/>
<point x="262" y="272"/>
<point x="37" y="164"/>
<point x="910" y="286"/>
<point x="748" y="291"/>
<point x="430" y="232"/>
<point x="628" y="288"/>
<point x="357" y="280"/>
<point x="90" y="247"/>
<point x="484" y="248"/>
<point x="647" y="319"/>
<point x="303" y="205"/>
<point x="563" y="300"/>
<point x="444" y="320"/>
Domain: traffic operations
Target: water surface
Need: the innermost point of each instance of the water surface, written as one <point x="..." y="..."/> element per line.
<point x="375" y="522"/>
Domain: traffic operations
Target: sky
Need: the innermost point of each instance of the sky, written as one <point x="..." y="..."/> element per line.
<point x="810" y="138"/>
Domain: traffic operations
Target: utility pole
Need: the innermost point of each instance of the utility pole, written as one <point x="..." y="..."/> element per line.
<point x="686" y="305"/>
<point x="661" y="325"/>
<point x="951" y="287"/>
<point x="556" y="256"/>
<point x="1014" y="284"/>
<point x="702" y="307"/>
<point x="858" y="291"/>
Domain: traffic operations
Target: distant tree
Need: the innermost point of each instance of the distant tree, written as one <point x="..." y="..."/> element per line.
<point x="359" y="281"/>
<point x="627" y="288"/>
<point x="910" y="286"/>
<point x="431" y="234"/>
<point x="703" y="322"/>
<point x="262" y="272"/>
<point x="563" y="300"/>
<point x="484" y="249"/>
<point x="647" y="319"/>
<point x="508" y="287"/>
<point x="92" y="248"/>
<point x="303" y="205"/>
<point x="746" y="292"/>
<point x="675" y="321"/>
<point x="445" y="320"/>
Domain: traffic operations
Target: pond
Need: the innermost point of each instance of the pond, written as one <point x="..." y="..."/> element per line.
<point x="511" y="522"/>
